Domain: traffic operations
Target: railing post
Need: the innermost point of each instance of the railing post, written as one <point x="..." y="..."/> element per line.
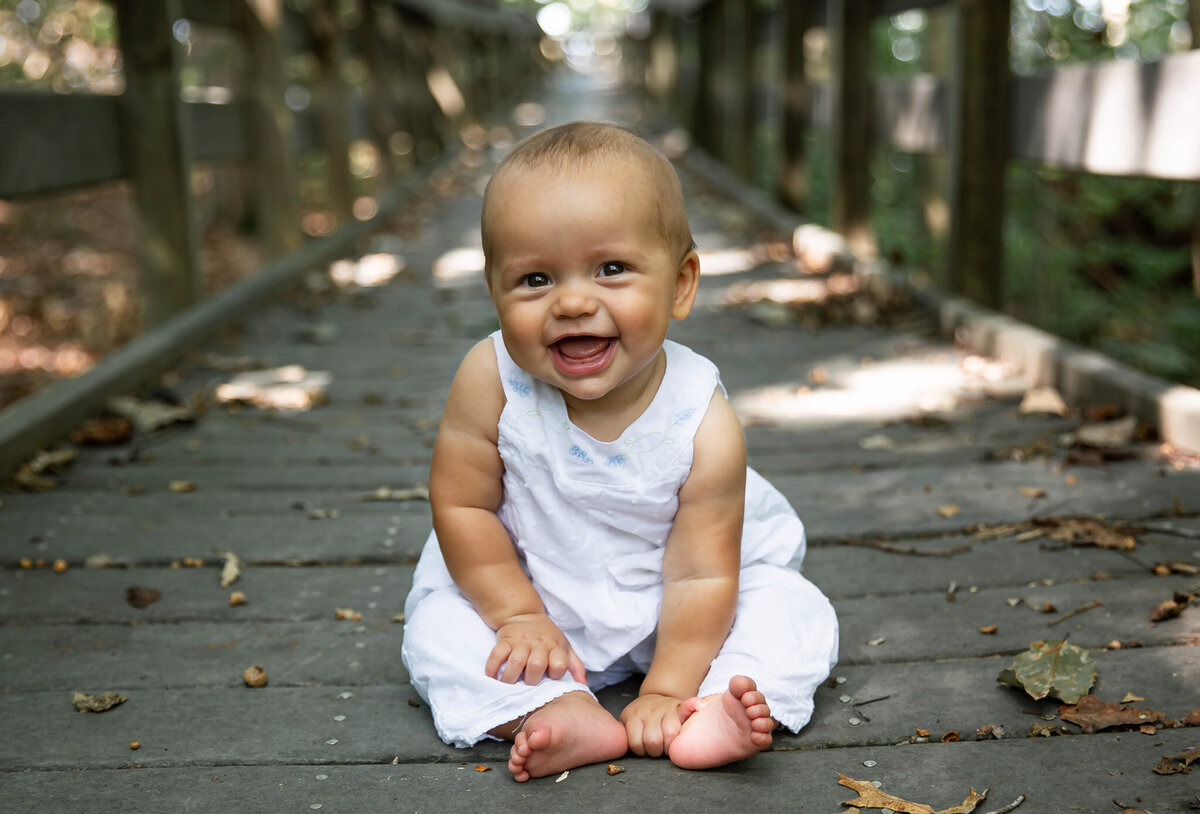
<point x="979" y="110"/>
<point x="1194" y="19"/>
<point x="157" y="147"/>
<point x="271" y="127"/>
<point x="850" y="127"/>
<point x="739" y="86"/>
<point x="793" y="174"/>
<point x="333" y="114"/>
<point x="368" y="35"/>
<point x="709" y="126"/>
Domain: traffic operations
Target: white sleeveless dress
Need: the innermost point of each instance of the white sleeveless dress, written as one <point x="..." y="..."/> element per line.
<point x="590" y="521"/>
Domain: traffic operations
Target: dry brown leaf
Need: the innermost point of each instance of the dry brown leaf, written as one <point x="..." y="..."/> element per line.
<point x="988" y="630"/>
<point x="102" y="431"/>
<point x="481" y="768"/>
<point x="1091" y="714"/>
<point x="1192" y="718"/>
<point x="1130" y="697"/>
<point x="1107" y="434"/>
<point x="85" y="702"/>
<point x="1171" y="608"/>
<point x="949" y="510"/>
<point x="347" y="615"/>
<point x="232" y="569"/>
<point x="1043" y="400"/>
<point x="614" y="769"/>
<point x="140" y="597"/>
<point x="1178" y="764"/>
<point x="181" y="486"/>
<point x="871" y="797"/>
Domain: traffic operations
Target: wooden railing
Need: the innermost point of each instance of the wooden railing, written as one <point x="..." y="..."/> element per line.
<point x="155" y="136"/>
<point x="1126" y="119"/>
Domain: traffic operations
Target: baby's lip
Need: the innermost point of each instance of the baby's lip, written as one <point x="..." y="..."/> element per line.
<point x="582" y="354"/>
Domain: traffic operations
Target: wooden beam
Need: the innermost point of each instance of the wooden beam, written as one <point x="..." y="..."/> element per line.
<point x="850" y="129"/>
<point x="793" y="170"/>
<point x="330" y="105"/>
<point x="157" y="141"/>
<point x="980" y="101"/>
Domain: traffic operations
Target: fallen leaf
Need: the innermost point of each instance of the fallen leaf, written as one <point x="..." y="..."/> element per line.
<point x="97" y="703"/>
<point x="181" y="486"/>
<point x="148" y="416"/>
<point x="255" y="676"/>
<point x="1166" y="568"/>
<point x="1043" y="400"/>
<point x="418" y="492"/>
<point x="1171" y="608"/>
<point x="32" y="476"/>
<point x="949" y="510"/>
<point x="950" y="737"/>
<point x="924" y="733"/>
<point x="140" y="597"/>
<point x="614" y="769"/>
<point x="1091" y="715"/>
<point x="1178" y="764"/>
<point x="1130" y="697"/>
<point x="232" y="569"/>
<point x="871" y="797"/>
<point x="562" y="776"/>
<point x="1041" y="730"/>
<point x="1107" y="434"/>
<point x="287" y="388"/>
<point x="1051" y="667"/>
<point x="347" y="615"/>
<point x="481" y="768"/>
<point x="237" y="598"/>
<point x="103" y="431"/>
<point x="1192" y="718"/>
<point x="135" y="745"/>
<point x="988" y="630"/>
<point x="989" y="731"/>
<point x="1048" y="607"/>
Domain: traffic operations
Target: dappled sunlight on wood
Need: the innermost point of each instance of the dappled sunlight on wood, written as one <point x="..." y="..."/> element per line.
<point x="458" y="266"/>
<point x="290" y="388"/>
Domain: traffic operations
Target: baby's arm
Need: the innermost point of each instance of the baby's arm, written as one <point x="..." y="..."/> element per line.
<point x="465" y="490"/>
<point x="700" y="580"/>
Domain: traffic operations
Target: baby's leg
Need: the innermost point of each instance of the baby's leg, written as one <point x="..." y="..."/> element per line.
<point x="722" y="728"/>
<point x="572" y="730"/>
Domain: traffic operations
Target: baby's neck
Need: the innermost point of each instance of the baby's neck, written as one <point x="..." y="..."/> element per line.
<point x="607" y="417"/>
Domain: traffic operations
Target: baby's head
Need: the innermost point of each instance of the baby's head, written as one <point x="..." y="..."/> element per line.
<point x="578" y="147"/>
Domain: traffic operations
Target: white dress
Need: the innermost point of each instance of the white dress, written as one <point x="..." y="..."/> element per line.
<point x="590" y="521"/>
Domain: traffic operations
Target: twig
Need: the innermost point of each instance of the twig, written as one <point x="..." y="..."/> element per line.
<point x="1095" y="603"/>
<point x="1020" y="799"/>
<point x="862" y="714"/>
<point x="893" y="549"/>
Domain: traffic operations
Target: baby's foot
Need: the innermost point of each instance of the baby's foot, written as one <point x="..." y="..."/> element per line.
<point x="722" y="728"/>
<point x="572" y="730"/>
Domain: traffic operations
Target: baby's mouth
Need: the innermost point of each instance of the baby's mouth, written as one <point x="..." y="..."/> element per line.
<point x="581" y="355"/>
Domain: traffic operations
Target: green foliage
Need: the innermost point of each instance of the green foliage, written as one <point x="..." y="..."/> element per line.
<point x="64" y="45"/>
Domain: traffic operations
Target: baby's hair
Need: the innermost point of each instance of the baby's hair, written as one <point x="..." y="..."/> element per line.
<point x="565" y="147"/>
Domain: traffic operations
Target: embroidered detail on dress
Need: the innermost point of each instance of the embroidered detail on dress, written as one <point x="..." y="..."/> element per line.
<point x="615" y="461"/>
<point x="683" y="415"/>
<point x="577" y="452"/>
<point x="519" y="387"/>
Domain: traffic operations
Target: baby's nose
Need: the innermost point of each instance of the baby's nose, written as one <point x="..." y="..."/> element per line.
<point x="574" y="301"/>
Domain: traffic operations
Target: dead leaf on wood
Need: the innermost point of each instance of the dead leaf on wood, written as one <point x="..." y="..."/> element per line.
<point x="989" y="731"/>
<point x="1131" y="697"/>
<point x="232" y="569"/>
<point x="1091" y="715"/>
<point x="181" y="486"/>
<point x="871" y="797"/>
<point x="1041" y="730"/>
<point x="949" y="510"/>
<point x="614" y="769"/>
<point x="1051" y="668"/>
<point x="1171" y="608"/>
<point x="1107" y="434"/>
<point x="418" y="492"/>
<point x="347" y="615"/>
<point x="287" y="388"/>
<point x="140" y="597"/>
<point x="1178" y="764"/>
<point x="1166" y="568"/>
<point x="1041" y="400"/>
<point x="34" y="475"/>
<point x="148" y="416"/>
<point x="1192" y="718"/>
<point x="103" y="431"/>
<point x="97" y="703"/>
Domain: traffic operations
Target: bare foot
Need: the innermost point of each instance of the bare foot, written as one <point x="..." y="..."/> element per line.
<point x="722" y="728"/>
<point x="572" y="730"/>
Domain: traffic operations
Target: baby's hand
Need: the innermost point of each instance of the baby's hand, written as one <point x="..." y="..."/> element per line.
<point x="651" y="722"/>
<point x="533" y="645"/>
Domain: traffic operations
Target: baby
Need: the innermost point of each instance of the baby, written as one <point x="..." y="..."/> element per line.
<point x="593" y="514"/>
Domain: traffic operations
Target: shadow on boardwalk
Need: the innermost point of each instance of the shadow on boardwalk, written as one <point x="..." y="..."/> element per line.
<point x="878" y="434"/>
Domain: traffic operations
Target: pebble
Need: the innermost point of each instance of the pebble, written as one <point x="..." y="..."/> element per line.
<point x="339" y="718"/>
<point x="322" y="777"/>
<point x="845" y="699"/>
<point x="870" y="764"/>
<point x="855" y="722"/>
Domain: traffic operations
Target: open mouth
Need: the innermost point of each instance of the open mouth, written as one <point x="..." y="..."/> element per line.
<point x="582" y="355"/>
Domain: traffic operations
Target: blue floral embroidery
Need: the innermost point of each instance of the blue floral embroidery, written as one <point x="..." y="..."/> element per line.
<point x="615" y="461"/>
<point x="683" y="416"/>
<point x="577" y="452"/>
<point x="519" y="387"/>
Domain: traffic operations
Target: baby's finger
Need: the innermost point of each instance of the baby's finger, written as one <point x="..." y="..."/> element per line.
<point x="497" y="658"/>
<point x="575" y="667"/>
<point x="516" y="665"/>
<point x="535" y="667"/>
<point x="634" y="730"/>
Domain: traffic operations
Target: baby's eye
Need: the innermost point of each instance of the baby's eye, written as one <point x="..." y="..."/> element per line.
<point x="611" y="269"/>
<point x="535" y="280"/>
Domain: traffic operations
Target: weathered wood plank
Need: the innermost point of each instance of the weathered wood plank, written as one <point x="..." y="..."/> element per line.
<point x="50" y="151"/>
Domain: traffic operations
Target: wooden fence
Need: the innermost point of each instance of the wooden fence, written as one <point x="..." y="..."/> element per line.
<point x="1125" y="119"/>
<point x="430" y="67"/>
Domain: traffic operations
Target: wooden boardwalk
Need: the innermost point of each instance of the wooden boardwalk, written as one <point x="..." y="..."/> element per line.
<point x="882" y="436"/>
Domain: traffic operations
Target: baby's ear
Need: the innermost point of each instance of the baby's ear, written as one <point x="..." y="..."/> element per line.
<point x="687" y="281"/>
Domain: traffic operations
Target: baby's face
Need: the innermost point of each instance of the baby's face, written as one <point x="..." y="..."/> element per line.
<point x="582" y="278"/>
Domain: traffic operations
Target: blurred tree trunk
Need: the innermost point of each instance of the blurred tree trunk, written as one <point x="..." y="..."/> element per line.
<point x="1194" y="20"/>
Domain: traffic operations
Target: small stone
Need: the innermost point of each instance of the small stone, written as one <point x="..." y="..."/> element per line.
<point x="237" y="598"/>
<point x="840" y="680"/>
<point x="855" y="722"/>
<point x="339" y="718"/>
<point x="331" y="742"/>
<point x="135" y="745"/>
<point x="255" y="676"/>
<point x="845" y="699"/>
<point x="870" y="764"/>
<point x="347" y="615"/>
